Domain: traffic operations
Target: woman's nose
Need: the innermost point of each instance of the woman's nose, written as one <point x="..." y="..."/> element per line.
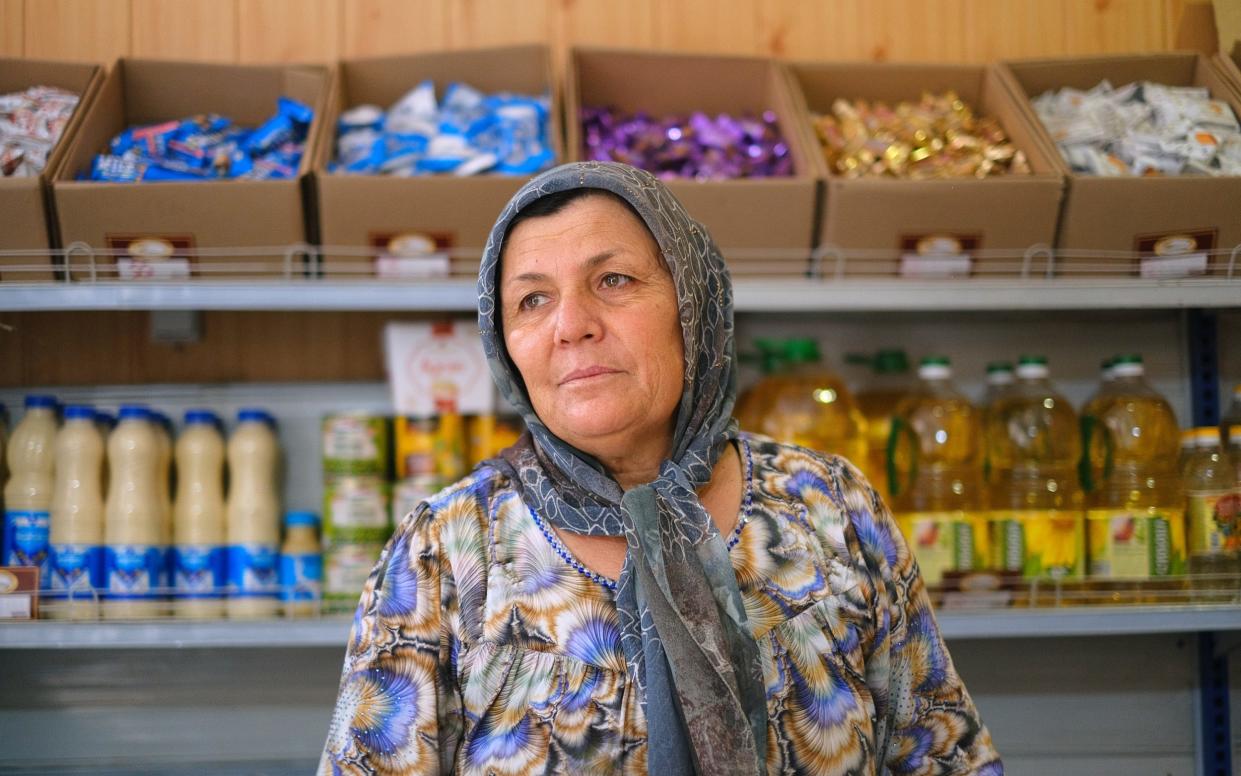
<point x="577" y="318"/>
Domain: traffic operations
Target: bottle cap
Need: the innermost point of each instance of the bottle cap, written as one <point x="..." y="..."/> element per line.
<point x="935" y="368"/>
<point x="135" y="411"/>
<point x="300" y="518"/>
<point x="255" y="414"/>
<point x="802" y="350"/>
<point x="80" y="412"/>
<point x="40" y="401"/>
<point x="890" y="362"/>
<point x="205" y="417"/>
<point x="1032" y="367"/>
<point x="1129" y="365"/>
<point x="1205" y="436"/>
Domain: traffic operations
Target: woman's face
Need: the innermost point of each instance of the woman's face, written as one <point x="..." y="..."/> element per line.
<point x="590" y="320"/>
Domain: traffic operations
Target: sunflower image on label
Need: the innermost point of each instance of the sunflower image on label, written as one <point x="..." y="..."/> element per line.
<point x="1039" y="543"/>
<point x="1136" y="544"/>
<point x="941" y="541"/>
<point x="253" y="570"/>
<point x="133" y="571"/>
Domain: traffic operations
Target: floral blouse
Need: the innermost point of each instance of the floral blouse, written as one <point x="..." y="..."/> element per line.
<point x="482" y="646"/>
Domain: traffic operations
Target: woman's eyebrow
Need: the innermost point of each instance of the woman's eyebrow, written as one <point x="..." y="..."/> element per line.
<point x="537" y="277"/>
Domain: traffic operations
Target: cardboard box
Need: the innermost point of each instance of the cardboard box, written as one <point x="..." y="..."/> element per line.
<point x="1153" y="227"/>
<point x="1230" y="64"/>
<point x="762" y="225"/>
<point x="26" y="202"/>
<point x="887" y="226"/>
<point x="126" y="222"/>
<point x="365" y="218"/>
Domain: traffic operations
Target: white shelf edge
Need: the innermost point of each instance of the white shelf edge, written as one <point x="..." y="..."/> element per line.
<point x="333" y="632"/>
<point x="751" y="294"/>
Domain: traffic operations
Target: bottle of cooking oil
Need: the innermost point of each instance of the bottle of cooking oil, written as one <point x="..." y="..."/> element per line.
<point x="1000" y="381"/>
<point x="877" y="398"/>
<point x="1036" y="521"/>
<point x="805" y="404"/>
<point x="1090" y="469"/>
<point x="1136" y="517"/>
<point x="753" y="403"/>
<point x="1212" y="506"/>
<point x="939" y="503"/>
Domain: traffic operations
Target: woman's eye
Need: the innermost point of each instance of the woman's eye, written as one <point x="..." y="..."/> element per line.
<point x="615" y="280"/>
<point x="531" y="301"/>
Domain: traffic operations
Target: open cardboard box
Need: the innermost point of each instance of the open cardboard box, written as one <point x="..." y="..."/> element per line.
<point x="1230" y="64"/>
<point x="762" y="225"/>
<point x="368" y="218"/>
<point x="1154" y="227"/>
<point x="172" y="220"/>
<point x="969" y="226"/>
<point x="26" y="202"/>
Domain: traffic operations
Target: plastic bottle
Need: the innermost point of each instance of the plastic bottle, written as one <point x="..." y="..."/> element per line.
<point x="77" y="517"/>
<point x="807" y="405"/>
<point x="1136" y="517"/>
<point x="134" y="562"/>
<point x="28" y="492"/>
<point x="939" y="503"/>
<point x="1000" y="381"/>
<point x="888" y="383"/>
<point x="1037" y="522"/>
<point x="253" y="517"/>
<point x="301" y="565"/>
<point x="753" y="403"/>
<point x="1090" y="470"/>
<point x="1212" y="508"/>
<point x="199" y="553"/>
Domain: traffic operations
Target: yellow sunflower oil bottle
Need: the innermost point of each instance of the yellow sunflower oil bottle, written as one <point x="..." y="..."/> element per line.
<point x="805" y="404"/>
<point x="1136" y="515"/>
<point x="1037" y="524"/>
<point x="885" y="387"/>
<point x="939" y="501"/>
<point x="754" y="402"/>
<point x="1000" y="380"/>
<point x="1213" y="508"/>
<point x="1090" y="470"/>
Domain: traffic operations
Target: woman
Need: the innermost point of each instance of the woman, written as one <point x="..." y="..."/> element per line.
<point x="636" y="587"/>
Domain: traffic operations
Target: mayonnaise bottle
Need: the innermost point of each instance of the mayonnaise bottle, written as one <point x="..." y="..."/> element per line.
<point x="253" y="517"/>
<point x="199" y="554"/>
<point x="28" y="492"/>
<point x="76" y="549"/>
<point x="301" y="565"/>
<point x="133" y="519"/>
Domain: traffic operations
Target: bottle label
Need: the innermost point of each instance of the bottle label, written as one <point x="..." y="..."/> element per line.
<point x="1039" y="543"/>
<point x="1214" y="523"/>
<point x="26" y="535"/>
<point x="941" y="541"/>
<point x="1137" y="544"/>
<point x="133" y="571"/>
<point x="252" y="571"/>
<point x="301" y="576"/>
<point x="199" y="571"/>
<point x="77" y="568"/>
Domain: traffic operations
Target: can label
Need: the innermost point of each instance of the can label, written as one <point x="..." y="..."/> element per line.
<point x="355" y="444"/>
<point x="199" y="571"/>
<point x="26" y="534"/>
<point x="133" y="571"/>
<point x="253" y="570"/>
<point x="348" y="566"/>
<point x="1213" y="522"/>
<point x="941" y="541"/>
<point x="1136" y="544"/>
<point x="1039" y="543"/>
<point x="301" y="576"/>
<point x="76" y="567"/>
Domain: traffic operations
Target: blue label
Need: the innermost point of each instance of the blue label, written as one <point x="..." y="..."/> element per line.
<point x="76" y="567"/>
<point x="301" y="576"/>
<point x="199" y="572"/>
<point x="252" y="570"/>
<point x="133" y="571"/>
<point x="25" y="542"/>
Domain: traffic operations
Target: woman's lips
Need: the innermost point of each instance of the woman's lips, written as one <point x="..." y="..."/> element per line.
<point x="587" y="373"/>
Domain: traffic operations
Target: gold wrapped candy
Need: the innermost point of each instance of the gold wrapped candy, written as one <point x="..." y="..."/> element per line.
<point x="936" y="137"/>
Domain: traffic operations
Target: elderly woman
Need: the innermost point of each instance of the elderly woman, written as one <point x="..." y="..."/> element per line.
<point x="636" y="586"/>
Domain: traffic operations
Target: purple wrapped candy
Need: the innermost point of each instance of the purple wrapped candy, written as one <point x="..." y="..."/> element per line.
<point x="696" y="146"/>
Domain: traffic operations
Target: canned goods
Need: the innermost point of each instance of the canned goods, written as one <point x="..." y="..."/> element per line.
<point x="356" y="443"/>
<point x="356" y="508"/>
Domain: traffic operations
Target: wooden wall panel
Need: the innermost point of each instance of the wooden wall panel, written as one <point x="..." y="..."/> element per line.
<point x="290" y="30"/>
<point x="377" y="27"/>
<point x="708" y="26"/>
<point x="12" y="27"/>
<point x="199" y="30"/>
<point x="605" y="23"/>
<point x="474" y="23"/>
<point x="78" y="30"/>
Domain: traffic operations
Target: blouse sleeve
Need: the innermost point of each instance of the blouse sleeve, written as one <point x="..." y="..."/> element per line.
<point x="399" y="707"/>
<point x="926" y="722"/>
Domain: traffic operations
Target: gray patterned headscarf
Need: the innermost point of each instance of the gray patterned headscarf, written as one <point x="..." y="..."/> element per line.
<point x="684" y="631"/>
